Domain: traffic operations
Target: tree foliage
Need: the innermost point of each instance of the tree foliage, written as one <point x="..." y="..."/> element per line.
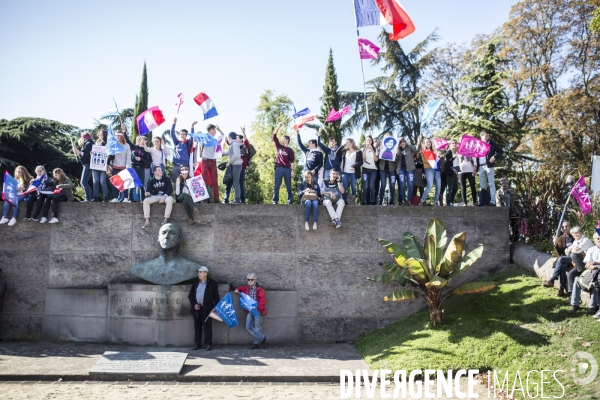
<point x="141" y="105"/>
<point x="36" y="141"/>
<point x="330" y="99"/>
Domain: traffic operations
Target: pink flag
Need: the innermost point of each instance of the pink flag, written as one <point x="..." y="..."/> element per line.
<point x="472" y="147"/>
<point x="581" y="194"/>
<point x="180" y="102"/>
<point x="335" y="115"/>
<point x="440" y="144"/>
<point x="367" y="49"/>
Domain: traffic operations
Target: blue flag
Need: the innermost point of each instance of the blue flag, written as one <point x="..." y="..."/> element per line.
<point x="205" y="139"/>
<point x="9" y="190"/>
<point x="430" y="110"/>
<point x="248" y="303"/>
<point x="301" y="113"/>
<point x="225" y="312"/>
<point x="112" y="143"/>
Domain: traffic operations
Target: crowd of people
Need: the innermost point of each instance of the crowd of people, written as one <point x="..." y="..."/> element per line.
<point x="577" y="268"/>
<point x="331" y="173"/>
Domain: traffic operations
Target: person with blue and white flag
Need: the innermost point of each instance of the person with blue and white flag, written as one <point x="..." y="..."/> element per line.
<point x="256" y="303"/>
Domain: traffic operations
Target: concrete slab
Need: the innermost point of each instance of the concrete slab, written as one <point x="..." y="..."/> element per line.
<point x="72" y="361"/>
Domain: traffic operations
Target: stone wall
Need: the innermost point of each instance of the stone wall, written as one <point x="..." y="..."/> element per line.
<point x="94" y="245"/>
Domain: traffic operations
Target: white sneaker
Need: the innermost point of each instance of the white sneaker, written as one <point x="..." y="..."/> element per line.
<point x="53" y="220"/>
<point x="125" y="201"/>
<point x="114" y="201"/>
<point x="4" y="220"/>
<point x="315" y="226"/>
<point x="306" y="226"/>
<point x="12" y="222"/>
<point x="43" y="220"/>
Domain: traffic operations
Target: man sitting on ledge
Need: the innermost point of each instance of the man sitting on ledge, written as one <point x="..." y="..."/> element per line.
<point x="592" y="260"/>
<point x="158" y="190"/>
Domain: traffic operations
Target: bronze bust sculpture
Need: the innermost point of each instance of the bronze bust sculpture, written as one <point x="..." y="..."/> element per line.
<point x="169" y="268"/>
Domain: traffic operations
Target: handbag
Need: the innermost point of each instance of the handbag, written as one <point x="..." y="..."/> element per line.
<point x="228" y="177"/>
<point x="309" y="197"/>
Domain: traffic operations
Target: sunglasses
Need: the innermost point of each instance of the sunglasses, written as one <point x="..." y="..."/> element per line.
<point x="251" y="280"/>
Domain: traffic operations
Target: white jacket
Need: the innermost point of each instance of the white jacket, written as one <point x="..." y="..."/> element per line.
<point x="584" y="243"/>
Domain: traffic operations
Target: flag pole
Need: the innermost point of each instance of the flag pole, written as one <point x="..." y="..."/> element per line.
<point x="362" y="68"/>
<point x="562" y="217"/>
<point x="118" y="112"/>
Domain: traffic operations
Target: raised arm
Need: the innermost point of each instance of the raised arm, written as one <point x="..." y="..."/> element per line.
<point x="173" y="136"/>
<point x="302" y="146"/>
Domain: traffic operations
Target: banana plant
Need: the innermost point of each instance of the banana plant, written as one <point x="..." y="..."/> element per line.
<point x="428" y="269"/>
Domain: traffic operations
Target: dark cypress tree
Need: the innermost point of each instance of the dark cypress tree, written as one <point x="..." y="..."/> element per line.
<point x="330" y="99"/>
<point x="141" y="105"/>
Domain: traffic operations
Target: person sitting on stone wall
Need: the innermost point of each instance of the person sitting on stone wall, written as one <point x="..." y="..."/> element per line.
<point x="573" y="254"/>
<point x="182" y="194"/>
<point x="158" y="190"/>
<point x="332" y="192"/>
<point x="254" y="322"/>
<point x="592" y="262"/>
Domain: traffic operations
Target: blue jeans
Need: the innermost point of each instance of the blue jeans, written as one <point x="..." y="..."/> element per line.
<point x="308" y="204"/>
<point x="15" y="208"/>
<point x="369" y="176"/>
<point x="576" y="295"/>
<point x="486" y="181"/>
<point x="407" y="178"/>
<point x="85" y="182"/>
<point x="352" y="177"/>
<point x="391" y="176"/>
<point x="242" y="188"/>
<point x="99" y="179"/>
<point x="254" y="326"/>
<point x="286" y="175"/>
<point x="430" y="175"/>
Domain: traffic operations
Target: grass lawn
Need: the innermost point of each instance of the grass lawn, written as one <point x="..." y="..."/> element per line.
<point x="519" y="325"/>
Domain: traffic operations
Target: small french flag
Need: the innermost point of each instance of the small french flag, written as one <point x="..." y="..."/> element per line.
<point x="302" y="117"/>
<point x="207" y="105"/>
<point x="150" y="119"/>
<point x="126" y="179"/>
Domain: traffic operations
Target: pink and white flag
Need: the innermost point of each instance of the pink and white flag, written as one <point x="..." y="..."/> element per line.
<point x="179" y="102"/>
<point x="335" y="115"/>
<point x="367" y="50"/>
<point x="440" y="144"/>
<point x="581" y="194"/>
<point x="472" y="147"/>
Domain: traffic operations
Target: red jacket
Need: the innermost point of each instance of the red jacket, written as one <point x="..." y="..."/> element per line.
<point x="246" y="158"/>
<point x="260" y="297"/>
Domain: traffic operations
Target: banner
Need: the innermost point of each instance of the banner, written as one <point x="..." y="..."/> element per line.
<point x="429" y="111"/>
<point x="248" y="303"/>
<point x="197" y="188"/>
<point x="472" y="147"/>
<point x="225" y="312"/>
<point x="219" y="148"/>
<point x="581" y="194"/>
<point x="112" y="144"/>
<point x="9" y="189"/>
<point x="99" y="158"/>
<point x="367" y="50"/>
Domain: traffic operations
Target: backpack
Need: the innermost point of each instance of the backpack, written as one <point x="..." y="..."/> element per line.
<point x="243" y="151"/>
<point x="589" y="279"/>
<point x="251" y="152"/>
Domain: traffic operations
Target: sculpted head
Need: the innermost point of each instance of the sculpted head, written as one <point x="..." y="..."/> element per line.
<point x="169" y="236"/>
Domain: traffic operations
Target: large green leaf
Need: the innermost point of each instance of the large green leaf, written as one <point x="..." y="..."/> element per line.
<point x="392" y="268"/>
<point x="400" y="256"/>
<point x="402" y="295"/>
<point x="383" y="278"/>
<point x="437" y="230"/>
<point x="430" y="251"/>
<point x="453" y="255"/>
<point x="412" y="246"/>
<point x="418" y="270"/>
<point x="472" y="288"/>
<point x="466" y="262"/>
<point x="436" y="283"/>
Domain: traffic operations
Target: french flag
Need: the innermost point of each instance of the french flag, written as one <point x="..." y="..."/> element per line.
<point x="35" y="184"/>
<point x="302" y="117"/>
<point x="207" y="105"/>
<point x="150" y="119"/>
<point x="383" y="12"/>
<point x="126" y="179"/>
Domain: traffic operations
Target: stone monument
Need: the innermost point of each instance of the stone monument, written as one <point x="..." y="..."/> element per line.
<point x="169" y="268"/>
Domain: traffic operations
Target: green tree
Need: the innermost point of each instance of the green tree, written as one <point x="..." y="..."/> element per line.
<point x="36" y="141"/>
<point x="330" y="99"/>
<point x="141" y="105"/>
<point x="260" y="179"/>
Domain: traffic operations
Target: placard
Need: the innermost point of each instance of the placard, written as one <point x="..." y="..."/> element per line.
<point x="197" y="188"/>
<point x="388" y="149"/>
<point x="99" y="158"/>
